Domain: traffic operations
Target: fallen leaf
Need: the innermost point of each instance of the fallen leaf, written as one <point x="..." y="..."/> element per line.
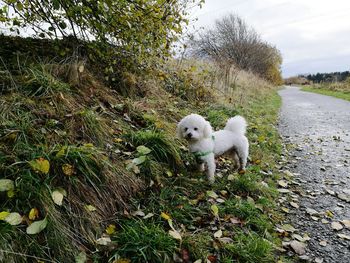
<point x="306" y="237"/>
<point x="311" y="211"/>
<point x="231" y="177"/>
<point x="90" y="208"/>
<point x="298" y="247"/>
<point x="36" y="227"/>
<point x="218" y="233"/>
<point x="149" y="215"/>
<point x="298" y="237"/>
<point x="40" y="165"/>
<point x="138" y="213"/>
<point x="67" y="169"/>
<point x="288" y="228"/>
<point x="3" y="215"/>
<point x="33" y="214"/>
<point x="175" y="234"/>
<point x="344" y="236"/>
<point x="212" y="194"/>
<point x="285" y="209"/>
<point x="235" y="220"/>
<point x="165" y="216"/>
<point x="58" y="195"/>
<point x="329" y="214"/>
<point x="139" y="160"/>
<point x="323" y="243"/>
<point x="215" y="210"/>
<point x="13" y="219"/>
<point x="293" y="204"/>
<point x="6" y="185"/>
<point x="282" y="183"/>
<point x="104" y="240"/>
<point x="226" y="240"/>
<point x="336" y="226"/>
<point x="110" y="229"/>
<point x="143" y="150"/>
<point x="283" y="190"/>
<point x="122" y="260"/>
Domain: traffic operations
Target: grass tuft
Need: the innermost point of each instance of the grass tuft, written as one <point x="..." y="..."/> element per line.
<point x="144" y="242"/>
<point x="164" y="148"/>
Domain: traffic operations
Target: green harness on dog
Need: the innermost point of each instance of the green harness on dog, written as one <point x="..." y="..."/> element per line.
<point x="198" y="155"/>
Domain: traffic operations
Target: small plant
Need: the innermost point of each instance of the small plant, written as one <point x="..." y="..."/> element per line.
<point x="141" y="242"/>
<point x="38" y="82"/>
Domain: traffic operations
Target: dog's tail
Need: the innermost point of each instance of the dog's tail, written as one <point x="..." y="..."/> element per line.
<point x="237" y="125"/>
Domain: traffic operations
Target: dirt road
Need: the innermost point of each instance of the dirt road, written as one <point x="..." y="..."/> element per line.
<point x="316" y="133"/>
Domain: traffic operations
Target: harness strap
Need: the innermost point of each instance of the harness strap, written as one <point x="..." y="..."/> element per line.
<point x="202" y="154"/>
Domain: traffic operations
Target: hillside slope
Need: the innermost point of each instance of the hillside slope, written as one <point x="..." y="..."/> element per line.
<point x="91" y="175"/>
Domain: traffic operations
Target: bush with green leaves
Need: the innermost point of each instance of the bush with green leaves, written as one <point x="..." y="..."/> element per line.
<point x="119" y="32"/>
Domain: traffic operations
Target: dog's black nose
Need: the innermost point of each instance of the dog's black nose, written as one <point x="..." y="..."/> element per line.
<point x="189" y="135"/>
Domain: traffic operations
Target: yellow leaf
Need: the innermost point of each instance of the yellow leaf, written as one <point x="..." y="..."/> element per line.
<point x="10" y="193"/>
<point x="165" y="216"/>
<point x="67" y="169"/>
<point x="61" y="152"/>
<point x="90" y="208"/>
<point x="215" y="210"/>
<point x="110" y="230"/>
<point x="3" y="215"/>
<point x="90" y="145"/>
<point x="118" y="140"/>
<point x="329" y="214"/>
<point x="33" y="214"/>
<point x="122" y="260"/>
<point x="40" y="165"/>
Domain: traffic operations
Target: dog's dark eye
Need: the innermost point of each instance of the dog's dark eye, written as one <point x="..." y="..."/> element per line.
<point x="186" y="129"/>
<point x="195" y="129"/>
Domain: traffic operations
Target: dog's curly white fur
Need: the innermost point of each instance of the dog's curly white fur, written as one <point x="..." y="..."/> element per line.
<point x="206" y="144"/>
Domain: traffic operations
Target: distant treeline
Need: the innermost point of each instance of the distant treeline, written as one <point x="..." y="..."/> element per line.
<point x="327" y="77"/>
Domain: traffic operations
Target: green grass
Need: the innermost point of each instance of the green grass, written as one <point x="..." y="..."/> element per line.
<point x="248" y="248"/>
<point x="96" y="146"/>
<point x="333" y="93"/>
<point x="139" y="241"/>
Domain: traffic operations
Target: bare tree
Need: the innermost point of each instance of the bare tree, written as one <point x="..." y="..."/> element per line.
<point x="233" y="43"/>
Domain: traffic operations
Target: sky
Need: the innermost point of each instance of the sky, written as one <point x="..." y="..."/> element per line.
<point x="312" y="35"/>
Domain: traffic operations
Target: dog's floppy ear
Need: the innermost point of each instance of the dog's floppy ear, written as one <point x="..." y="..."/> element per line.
<point x="178" y="130"/>
<point x="207" y="130"/>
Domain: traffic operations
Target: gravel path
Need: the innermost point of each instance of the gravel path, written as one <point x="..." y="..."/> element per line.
<point x="316" y="133"/>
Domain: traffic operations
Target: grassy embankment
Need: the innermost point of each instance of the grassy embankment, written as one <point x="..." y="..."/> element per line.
<point x="339" y="90"/>
<point x="64" y="134"/>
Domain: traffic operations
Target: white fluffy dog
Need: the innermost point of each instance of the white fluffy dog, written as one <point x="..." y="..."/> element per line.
<point x="206" y="144"/>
